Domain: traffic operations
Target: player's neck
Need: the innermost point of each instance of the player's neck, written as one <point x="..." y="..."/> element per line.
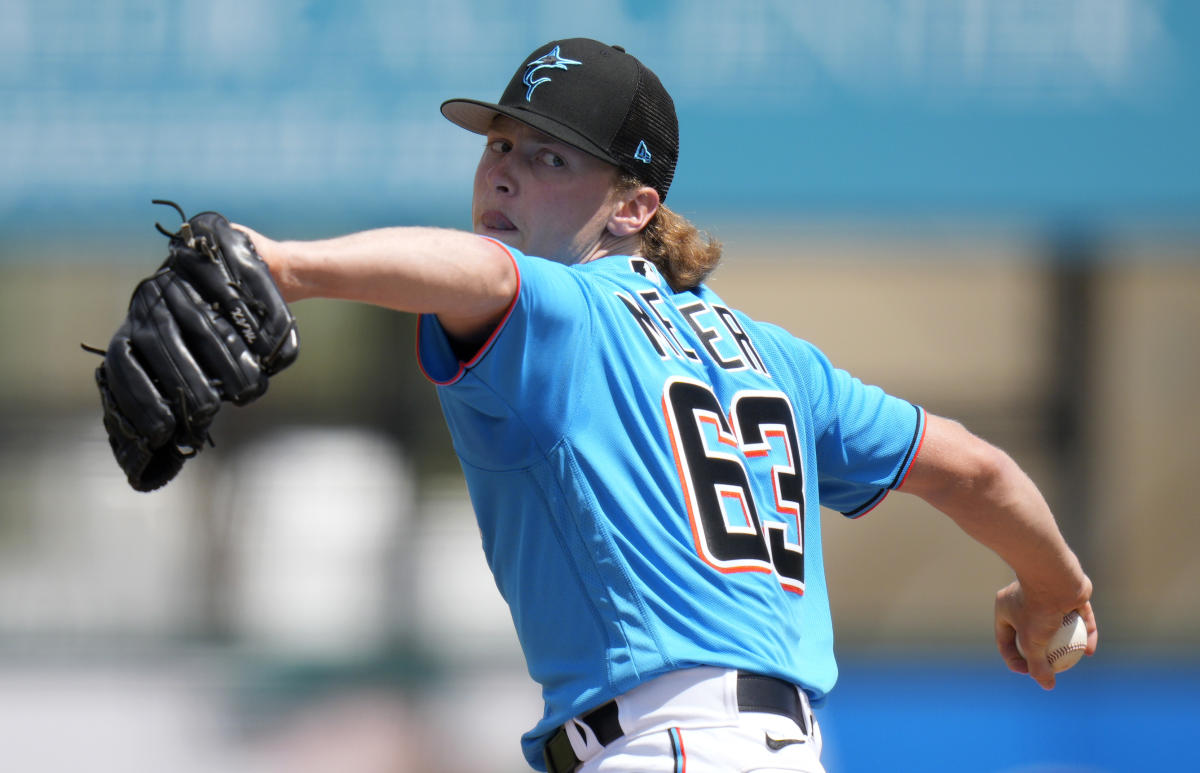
<point x="608" y="244"/>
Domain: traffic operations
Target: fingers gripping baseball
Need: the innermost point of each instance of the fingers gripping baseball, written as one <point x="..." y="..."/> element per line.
<point x="1009" y="622"/>
<point x="1031" y="635"/>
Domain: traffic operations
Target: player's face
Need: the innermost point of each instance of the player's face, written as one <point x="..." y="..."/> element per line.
<point x="542" y="196"/>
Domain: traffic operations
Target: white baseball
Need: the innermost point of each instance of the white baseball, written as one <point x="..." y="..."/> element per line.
<point x="1067" y="644"/>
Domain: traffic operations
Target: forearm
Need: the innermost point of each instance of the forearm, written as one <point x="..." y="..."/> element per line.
<point x="1006" y="513"/>
<point x="453" y="274"/>
<point x="984" y="491"/>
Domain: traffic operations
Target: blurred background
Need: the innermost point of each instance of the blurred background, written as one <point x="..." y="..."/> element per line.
<point x="989" y="207"/>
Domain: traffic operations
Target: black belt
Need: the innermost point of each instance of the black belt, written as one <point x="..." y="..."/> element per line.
<point x="754" y="693"/>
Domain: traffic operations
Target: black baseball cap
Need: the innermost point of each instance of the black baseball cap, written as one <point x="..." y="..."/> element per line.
<point x="594" y="97"/>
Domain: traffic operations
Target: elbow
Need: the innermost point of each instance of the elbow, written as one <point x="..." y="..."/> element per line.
<point x="982" y="463"/>
<point x="493" y="279"/>
<point x="988" y="467"/>
<point x="504" y="281"/>
<point x="978" y="476"/>
<point x="956" y="466"/>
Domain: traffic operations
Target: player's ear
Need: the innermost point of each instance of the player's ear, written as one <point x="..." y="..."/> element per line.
<point x="633" y="210"/>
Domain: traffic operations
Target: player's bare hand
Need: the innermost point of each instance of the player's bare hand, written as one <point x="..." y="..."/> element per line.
<point x="271" y="253"/>
<point x="1035" y="620"/>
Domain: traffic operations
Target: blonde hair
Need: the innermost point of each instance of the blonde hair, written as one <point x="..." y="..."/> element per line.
<point x="682" y="253"/>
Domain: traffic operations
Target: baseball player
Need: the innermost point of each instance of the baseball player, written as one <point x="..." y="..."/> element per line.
<point x="647" y="463"/>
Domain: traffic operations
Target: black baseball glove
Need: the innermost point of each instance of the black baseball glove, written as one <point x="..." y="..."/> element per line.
<point x="209" y="326"/>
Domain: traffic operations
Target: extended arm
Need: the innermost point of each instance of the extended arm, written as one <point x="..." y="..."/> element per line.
<point x="984" y="491"/>
<point x="466" y="280"/>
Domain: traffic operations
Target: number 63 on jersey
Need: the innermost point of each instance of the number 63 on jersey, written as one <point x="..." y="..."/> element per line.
<point x="717" y="455"/>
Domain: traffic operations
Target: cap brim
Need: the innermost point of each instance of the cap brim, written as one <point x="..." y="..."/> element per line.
<point x="477" y="116"/>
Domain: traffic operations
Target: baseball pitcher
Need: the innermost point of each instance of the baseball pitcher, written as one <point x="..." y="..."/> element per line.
<point x="646" y="462"/>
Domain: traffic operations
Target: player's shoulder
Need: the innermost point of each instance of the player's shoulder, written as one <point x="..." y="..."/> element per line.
<point x="777" y="341"/>
<point x="757" y="327"/>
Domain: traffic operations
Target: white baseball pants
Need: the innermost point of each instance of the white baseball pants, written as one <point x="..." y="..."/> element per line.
<point x="689" y="722"/>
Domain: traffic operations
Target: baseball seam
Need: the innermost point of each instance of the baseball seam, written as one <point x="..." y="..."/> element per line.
<point x="1059" y="652"/>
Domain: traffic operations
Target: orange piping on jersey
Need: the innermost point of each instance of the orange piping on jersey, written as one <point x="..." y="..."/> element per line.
<point x="462" y="366"/>
<point x="911" y="461"/>
<point x="916" y="453"/>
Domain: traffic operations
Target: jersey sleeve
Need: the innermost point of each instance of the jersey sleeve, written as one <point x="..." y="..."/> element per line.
<point x="866" y="439"/>
<point x="530" y="356"/>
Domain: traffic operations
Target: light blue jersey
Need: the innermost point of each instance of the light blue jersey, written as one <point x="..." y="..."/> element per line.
<point x="647" y="469"/>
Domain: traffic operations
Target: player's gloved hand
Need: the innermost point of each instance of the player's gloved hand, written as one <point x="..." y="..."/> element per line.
<point x="220" y="261"/>
<point x="208" y="326"/>
<point x="1034" y="619"/>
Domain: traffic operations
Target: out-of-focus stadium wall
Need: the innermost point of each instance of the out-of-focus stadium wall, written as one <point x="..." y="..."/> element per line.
<point x="990" y="208"/>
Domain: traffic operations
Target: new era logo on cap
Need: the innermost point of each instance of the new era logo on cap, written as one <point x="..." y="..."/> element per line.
<point x="594" y="97"/>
